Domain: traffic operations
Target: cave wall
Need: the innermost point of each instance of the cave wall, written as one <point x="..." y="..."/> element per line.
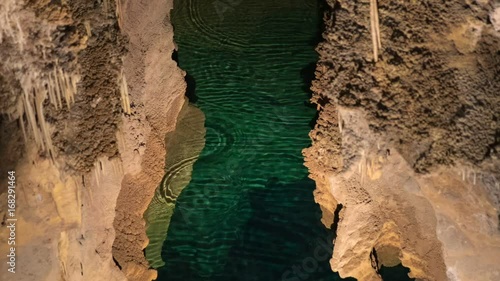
<point x="157" y="89"/>
<point x="436" y="84"/>
<point x="408" y="142"/>
<point x="60" y="106"/>
<point x="88" y="90"/>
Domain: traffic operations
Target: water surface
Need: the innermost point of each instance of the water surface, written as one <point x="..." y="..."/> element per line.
<point x="248" y="212"/>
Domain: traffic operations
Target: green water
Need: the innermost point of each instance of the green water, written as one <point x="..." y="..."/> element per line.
<point x="248" y="212"/>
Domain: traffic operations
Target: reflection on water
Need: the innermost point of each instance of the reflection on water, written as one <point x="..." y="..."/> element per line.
<point x="248" y="212"/>
<point x="183" y="147"/>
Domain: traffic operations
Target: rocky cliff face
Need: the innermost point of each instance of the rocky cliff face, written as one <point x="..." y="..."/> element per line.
<point x="408" y="142"/>
<point x="88" y="91"/>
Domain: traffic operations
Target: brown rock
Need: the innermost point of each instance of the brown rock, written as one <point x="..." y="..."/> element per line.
<point x="387" y="131"/>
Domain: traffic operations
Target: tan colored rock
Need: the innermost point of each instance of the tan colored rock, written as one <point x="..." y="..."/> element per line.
<point x="64" y="227"/>
<point x="379" y="214"/>
<point x="106" y="165"/>
<point x="394" y="134"/>
<point x="495" y="18"/>
<point x="157" y="90"/>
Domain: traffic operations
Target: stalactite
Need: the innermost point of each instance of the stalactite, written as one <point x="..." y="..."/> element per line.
<point x="124" y="93"/>
<point x="40" y="96"/>
<point x="78" y="191"/>
<point x="119" y="13"/>
<point x="120" y="141"/>
<point x="51" y="90"/>
<point x="57" y="87"/>
<point x="117" y="167"/>
<point x="65" y="88"/>
<point x="74" y="80"/>
<point x="9" y="26"/>
<point x="362" y="166"/>
<point x="105" y="6"/>
<point x="61" y="84"/>
<point x="340" y="122"/>
<point x="23" y="129"/>
<point x="88" y="29"/>
<point x="30" y="114"/>
<point x="20" y="37"/>
<point x="36" y="88"/>
<point x="97" y="175"/>
<point x="375" y="29"/>
<point x="37" y="84"/>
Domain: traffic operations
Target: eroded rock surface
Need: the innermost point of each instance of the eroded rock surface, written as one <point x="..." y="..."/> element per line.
<point x="157" y="90"/>
<point x="87" y="147"/>
<point x="406" y="143"/>
<point x="56" y="59"/>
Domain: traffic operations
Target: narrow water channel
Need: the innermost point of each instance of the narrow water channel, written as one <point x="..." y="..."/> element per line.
<point x="248" y="212"/>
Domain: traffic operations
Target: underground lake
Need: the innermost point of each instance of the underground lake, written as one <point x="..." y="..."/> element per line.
<point x="243" y="209"/>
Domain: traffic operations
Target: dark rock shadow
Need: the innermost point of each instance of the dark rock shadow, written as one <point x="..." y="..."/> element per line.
<point x="190" y="81"/>
<point x="191" y="88"/>
<point x="395" y="273"/>
<point x="12" y="148"/>
<point x="307" y="73"/>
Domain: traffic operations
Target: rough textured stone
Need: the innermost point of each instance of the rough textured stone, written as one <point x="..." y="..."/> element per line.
<point x="395" y="138"/>
<point x="81" y="203"/>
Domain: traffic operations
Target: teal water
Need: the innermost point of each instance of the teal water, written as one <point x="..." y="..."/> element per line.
<point x="248" y="212"/>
